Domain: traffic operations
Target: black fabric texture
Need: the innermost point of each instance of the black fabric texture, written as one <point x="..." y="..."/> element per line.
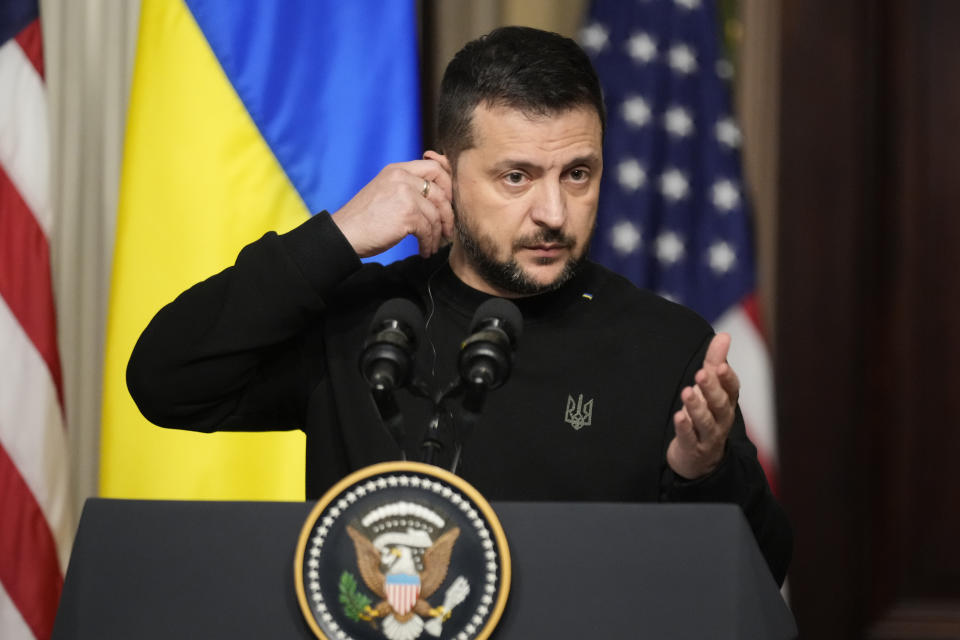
<point x="272" y="343"/>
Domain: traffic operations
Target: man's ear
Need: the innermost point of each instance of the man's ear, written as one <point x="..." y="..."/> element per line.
<point x="438" y="157"/>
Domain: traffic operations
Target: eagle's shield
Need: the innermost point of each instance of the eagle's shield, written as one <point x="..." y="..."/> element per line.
<point x="403" y="591"/>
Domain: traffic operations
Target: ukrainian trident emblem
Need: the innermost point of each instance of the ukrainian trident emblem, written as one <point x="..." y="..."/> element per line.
<point x="579" y="413"/>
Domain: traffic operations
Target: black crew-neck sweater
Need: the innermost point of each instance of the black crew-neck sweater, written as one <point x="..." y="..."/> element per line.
<point x="273" y="343"/>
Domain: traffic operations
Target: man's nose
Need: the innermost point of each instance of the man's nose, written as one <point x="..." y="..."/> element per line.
<point x="550" y="207"/>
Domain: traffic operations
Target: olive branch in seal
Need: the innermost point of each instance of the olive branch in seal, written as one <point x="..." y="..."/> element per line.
<point x="354" y="603"/>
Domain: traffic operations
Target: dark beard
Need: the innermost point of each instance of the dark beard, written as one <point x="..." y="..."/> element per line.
<point x="507" y="275"/>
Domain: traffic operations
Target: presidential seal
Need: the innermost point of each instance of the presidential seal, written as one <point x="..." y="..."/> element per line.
<point x="402" y="550"/>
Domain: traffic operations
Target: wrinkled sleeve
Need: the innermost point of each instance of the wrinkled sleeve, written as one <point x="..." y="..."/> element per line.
<point x="229" y="353"/>
<point x="738" y="479"/>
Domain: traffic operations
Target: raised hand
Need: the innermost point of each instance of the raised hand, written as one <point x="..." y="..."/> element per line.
<point x="407" y="198"/>
<point x="703" y="422"/>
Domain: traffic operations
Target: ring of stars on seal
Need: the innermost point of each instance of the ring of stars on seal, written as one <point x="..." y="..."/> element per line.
<point x="348" y="573"/>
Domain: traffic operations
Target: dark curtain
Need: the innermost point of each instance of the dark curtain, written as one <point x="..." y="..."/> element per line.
<point x="868" y="315"/>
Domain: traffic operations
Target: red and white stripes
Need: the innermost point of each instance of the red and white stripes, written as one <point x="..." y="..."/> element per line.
<point x="35" y="519"/>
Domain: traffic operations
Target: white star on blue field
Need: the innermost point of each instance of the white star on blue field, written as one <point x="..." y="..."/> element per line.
<point x="673" y="211"/>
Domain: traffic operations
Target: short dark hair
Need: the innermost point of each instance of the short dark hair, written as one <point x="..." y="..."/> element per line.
<point x="536" y="72"/>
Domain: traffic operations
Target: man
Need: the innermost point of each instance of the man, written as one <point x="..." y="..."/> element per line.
<point x="273" y="342"/>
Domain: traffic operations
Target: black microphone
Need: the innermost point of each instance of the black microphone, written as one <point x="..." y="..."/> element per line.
<point x="485" y="362"/>
<point x="386" y="362"/>
<point x="486" y="356"/>
<point x="387" y="359"/>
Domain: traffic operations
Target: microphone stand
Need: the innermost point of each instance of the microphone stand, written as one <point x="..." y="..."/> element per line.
<point x="390" y="415"/>
<point x="445" y="421"/>
<point x="389" y="410"/>
<point x="484" y="363"/>
<point x="433" y="443"/>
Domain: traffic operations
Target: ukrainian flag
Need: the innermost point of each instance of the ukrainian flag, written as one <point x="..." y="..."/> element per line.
<point x="244" y="116"/>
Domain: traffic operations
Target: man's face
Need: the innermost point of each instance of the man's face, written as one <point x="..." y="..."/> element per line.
<point x="525" y="197"/>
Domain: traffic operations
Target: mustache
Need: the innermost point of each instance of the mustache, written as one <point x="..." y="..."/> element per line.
<point x="545" y="236"/>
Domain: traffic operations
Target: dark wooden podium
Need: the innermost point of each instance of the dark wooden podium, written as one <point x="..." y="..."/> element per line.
<point x="153" y="569"/>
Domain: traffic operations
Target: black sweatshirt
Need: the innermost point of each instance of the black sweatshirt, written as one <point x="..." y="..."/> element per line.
<point x="273" y="342"/>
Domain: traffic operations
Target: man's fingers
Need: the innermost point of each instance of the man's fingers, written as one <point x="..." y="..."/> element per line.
<point x="439" y="159"/>
<point x="446" y="220"/>
<point x="426" y="188"/>
<point x="730" y="381"/>
<point x="436" y="226"/>
<point x="428" y="227"/>
<point x="704" y="420"/>
<point x="696" y="408"/>
<point x="709" y="424"/>
<point x="405" y="198"/>
<point x="441" y="190"/>
<point x="442" y="184"/>
<point x="422" y="221"/>
<point x="718" y="349"/>
<point x="434" y="171"/>
<point x="683" y="426"/>
<point x="717" y="397"/>
<point x="438" y="193"/>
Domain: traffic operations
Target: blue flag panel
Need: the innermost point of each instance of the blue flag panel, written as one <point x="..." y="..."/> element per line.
<point x="332" y="86"/>
<point x="673" y="214"/>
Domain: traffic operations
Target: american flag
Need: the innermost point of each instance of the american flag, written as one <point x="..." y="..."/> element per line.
<point x="674" y="215"/>
<point x="35" y="521"/>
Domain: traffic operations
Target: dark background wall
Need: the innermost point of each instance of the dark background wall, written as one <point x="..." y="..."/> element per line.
<point x="868" y="314"/>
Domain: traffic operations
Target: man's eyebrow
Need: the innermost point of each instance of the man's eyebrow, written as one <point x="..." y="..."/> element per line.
<point x="590" y="159"/>
<point x="514" y="163"/>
